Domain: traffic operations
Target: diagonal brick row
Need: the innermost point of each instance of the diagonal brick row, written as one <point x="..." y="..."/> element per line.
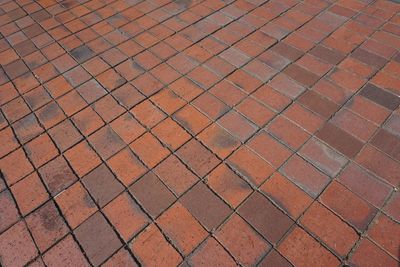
<point x="199" y="132"/>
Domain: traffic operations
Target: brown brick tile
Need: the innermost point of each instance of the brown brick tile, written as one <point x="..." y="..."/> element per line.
<point x="75" y="204"/>
<point x="286" y="195"/>
<point x="29" y="193"/>
<point x="359" y="181"/>
<point x="46" y="225"/>
<point x="192" y="106"/>
<point x="392" y="207"/>
<point x="250" y="165"/>
<point x="287" y="132"/>
<point x="8" y="210"/>
<point x="65" y="252"/>
<point x="97" y="239"/>
<point x="175" y="175"/>
<point x="153" y="249"/>
<point x="15" y="166"/>
<point x="369" y="254"/>
<point x="152" y="194"/>
<point x="211" y="252"/>
<point x="380" y="164"/>
<point x="182" y="228"/>
<point x="102" y="185"/>
<point x="106" y="142"/>
<point x="205" y="206"/>
<point x="121" y="258"/>
<point x="323" y="157"/>
<point x="380" y="96"/>
<point x="126" y="166"/>
<point x="148" y="114"/>
<point x="348" y="205"/>
<point x="57" y="175"/>
<point x="329" y="228"/>
<point x="303" y="250"/>
<point x="149" y="150"/>
<point x="17" y="247"/>
<point x="82" y="158"/>
<point x="340" y="140"/>
<point x="244" y="244"/>
<point x="65" y="135"/>
<point x="385" y="232"/>
<point x="269" y="149"/>
<point x="126" y="216"/>
<point x="273" y="258"/>
<point x="228" y="185"/>
<point x="304" y="175"/>
<point x="265" y="217"/>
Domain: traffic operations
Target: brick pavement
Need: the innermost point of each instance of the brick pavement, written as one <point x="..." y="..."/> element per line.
<point x="199" y="133"/>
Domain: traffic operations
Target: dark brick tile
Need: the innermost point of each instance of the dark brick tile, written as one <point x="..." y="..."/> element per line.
<point x="97" y="239"/>
<point x="340" y="140"/>
<point x="152" y="194"/>
<point x="204" y="205"/>
<point x="265" y="217"/>
<point x="102" y="185"/>
<point x="380" y="96"/>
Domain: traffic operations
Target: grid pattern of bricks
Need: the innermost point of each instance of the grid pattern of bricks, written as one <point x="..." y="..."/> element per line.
<point x="199" y="132"/>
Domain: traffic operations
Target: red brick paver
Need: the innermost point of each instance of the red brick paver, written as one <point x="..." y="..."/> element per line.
<point x="199" y="133"/>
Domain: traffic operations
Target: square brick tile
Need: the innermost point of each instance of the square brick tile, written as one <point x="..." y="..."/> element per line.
<point x="244" y="244"/>
<point x="287" y="132"/>
<point x="286" y="195"/>
<point x="191" y="119"/>
<point x="228" y="185"/>
<point x="17" y="247"/>
<point x="75" y="204"/>
<point x="250" y="166"/>
<point x="126" y="166"/>
<point x="175" y="175"/>
<point x="27" y="128"/>
<point x="149" y="150"/>
<point x="82" y="158"/>
<point x="126" y="216"/>
<point x="8" y="209"/>
<point x="265" y="217"/>
<point x="108" y="108"/>
<point x="15" y="166"/>
<point x="269" y="149"/>
<point x="301" y="249"/>
<point x="65" y="252"/>
<point x="97" y="239"/>
<point x="121" y="258"/>
<point x="29" y="193"/>
<point x="102" y="185"/>
<point x="148" y="114"/>
<point x="152" y="194"/>
<point x="218" y="140"/>
<point x="211" y="252"/>
<point x="197" y="157"/>
<point x="182" y="228"/>
<point x="9" y="141"/>
<point x="65" y="135"/>
<point x="106" y="142"/>
<point x="46" y="225"/>
<point x="153" y="249"/>
<point x="127" y="127"/>
<point x="57" y="175"/>
<point x="210" y="211"/>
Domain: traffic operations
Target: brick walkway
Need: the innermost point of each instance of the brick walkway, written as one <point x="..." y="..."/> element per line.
<point x="199" y="132"/>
